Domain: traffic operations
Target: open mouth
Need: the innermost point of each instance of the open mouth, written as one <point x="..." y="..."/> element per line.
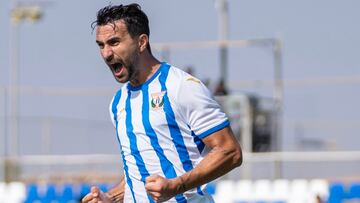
<point x="117" y="68"/>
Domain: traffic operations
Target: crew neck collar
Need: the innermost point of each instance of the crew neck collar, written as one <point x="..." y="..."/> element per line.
<point x="146" y="83"/>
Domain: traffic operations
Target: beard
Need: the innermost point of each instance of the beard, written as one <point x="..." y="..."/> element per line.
<point x="131" y="67"/>
<point x="132" y="73"/>
<point x="129" y="64"/>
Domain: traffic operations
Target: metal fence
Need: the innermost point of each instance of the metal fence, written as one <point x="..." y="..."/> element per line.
<point x="63" y="137"/>
<point x="52" y="131"/>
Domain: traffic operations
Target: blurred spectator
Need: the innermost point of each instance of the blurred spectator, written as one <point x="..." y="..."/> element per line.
<point x="206" y="82"/>
<point x="190" y="70"/>
<point x="221" y="89"/>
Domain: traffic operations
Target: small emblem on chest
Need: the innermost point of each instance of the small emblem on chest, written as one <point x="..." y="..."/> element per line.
<point x="157" y="100"/>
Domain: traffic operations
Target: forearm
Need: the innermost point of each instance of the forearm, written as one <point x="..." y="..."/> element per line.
<point x="218" y="162"/>
<point x="116" y="194"/>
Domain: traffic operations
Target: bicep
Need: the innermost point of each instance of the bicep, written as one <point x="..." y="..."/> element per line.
<point x="223" y="138"/>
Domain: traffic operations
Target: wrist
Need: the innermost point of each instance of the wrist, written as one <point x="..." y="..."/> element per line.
<point x="110" y="196"/>
<point x="115" y="195"/>
<point x="107" y="194"/>
<point x="178" y="185"/>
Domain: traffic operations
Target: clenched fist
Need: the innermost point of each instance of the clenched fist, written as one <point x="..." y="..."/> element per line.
<point x="159" y="188"/>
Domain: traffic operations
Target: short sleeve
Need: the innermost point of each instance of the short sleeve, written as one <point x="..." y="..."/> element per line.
<point x="202" y="113"/>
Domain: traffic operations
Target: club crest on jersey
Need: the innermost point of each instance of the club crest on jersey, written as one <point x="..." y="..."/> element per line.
<point x="157" y="100"/>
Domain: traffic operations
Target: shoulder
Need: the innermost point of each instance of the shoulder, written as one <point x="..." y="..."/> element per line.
<point x="175" y="72"/>
<point x="183" y="87"/>
<point x="177" y="77"/>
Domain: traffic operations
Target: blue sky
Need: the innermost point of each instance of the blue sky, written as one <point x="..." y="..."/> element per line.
<point x="320" y="40"/>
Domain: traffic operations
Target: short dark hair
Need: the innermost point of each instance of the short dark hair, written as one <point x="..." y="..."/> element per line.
<point x="135" y="19"/>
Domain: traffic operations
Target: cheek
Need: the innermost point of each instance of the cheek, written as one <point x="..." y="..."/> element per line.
<point x="127" y="53"/>
<point x="119" y="52"/>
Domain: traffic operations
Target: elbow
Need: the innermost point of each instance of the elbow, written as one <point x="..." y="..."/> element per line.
<point x="237" y="157"/>
<point x="233" y="155"/>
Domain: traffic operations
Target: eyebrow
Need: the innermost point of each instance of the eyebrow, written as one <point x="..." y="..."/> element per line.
<point x="115" y="38"/>
<point x="109" y="40"/>
<point x="98" y="42"/>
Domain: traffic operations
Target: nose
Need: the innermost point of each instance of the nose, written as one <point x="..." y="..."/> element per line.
<point x="107" y="53"/>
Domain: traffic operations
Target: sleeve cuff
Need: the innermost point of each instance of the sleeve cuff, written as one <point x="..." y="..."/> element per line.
<point x="214" y="129"/>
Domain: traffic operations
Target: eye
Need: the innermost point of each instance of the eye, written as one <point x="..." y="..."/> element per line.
<point x="101" y="45"/>
<point x="114" y="42"/>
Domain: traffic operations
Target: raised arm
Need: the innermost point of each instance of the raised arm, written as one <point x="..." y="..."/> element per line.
<point x="224" y="156"/>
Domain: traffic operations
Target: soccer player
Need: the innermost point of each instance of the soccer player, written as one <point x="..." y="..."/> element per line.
<point x="173" y="136"/>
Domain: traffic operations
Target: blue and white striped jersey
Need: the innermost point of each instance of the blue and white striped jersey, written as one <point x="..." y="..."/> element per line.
<point x="160" y="126"/>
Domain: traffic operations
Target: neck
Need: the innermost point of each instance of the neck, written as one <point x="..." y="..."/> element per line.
<point x="146" y="68"/>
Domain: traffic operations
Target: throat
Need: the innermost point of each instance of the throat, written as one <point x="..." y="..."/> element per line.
<point x="141" y="76"/>
<point x="135" y="82"/>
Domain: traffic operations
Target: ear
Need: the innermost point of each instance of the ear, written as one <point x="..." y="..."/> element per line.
<point x="143" y="42"/>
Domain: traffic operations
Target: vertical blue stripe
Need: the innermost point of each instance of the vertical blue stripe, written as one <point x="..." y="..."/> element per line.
<point x="173" y="126"/>
<point x="166" y="166"/>
<point x="114" y="110"/>
<point x="199" y="143"/>
<point x="133" y="144"/>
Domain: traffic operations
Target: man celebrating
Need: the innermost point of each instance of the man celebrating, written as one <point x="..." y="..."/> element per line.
<point x="173" y="136"/>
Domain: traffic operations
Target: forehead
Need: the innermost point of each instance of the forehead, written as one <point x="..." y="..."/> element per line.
<point x="118" y="28"/>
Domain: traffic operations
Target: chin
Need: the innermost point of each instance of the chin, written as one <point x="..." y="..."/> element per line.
<point x="121" y="80"/>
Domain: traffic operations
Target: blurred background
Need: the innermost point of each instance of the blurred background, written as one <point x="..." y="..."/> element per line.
<point x="287" y="73"/>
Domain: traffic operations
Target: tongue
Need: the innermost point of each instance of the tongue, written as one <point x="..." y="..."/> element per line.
<point x="118" y="71"/>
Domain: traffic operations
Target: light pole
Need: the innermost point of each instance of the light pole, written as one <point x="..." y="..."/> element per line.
<point x="19" y="14"/>
<point x="223" y="19"/>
